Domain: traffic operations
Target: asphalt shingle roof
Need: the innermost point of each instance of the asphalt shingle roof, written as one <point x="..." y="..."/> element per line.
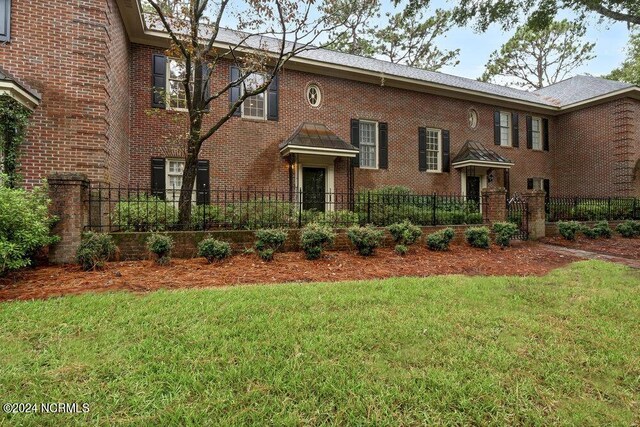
<point x="579" y="88"/>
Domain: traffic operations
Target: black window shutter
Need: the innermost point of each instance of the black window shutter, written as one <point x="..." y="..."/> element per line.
<point x="5" y="20"/>
<point x="159" y="81"/>
<point x="355" y="141"/>
<point x="515" y="129"/>
<point x="206" y="91"/>
<point x="496" y="127"/>
<point x="446" y="148"/>
<point x="272" y="99"/>
<point x="422" y="149"/>
<point x="158" y="178"/>
<point x="529" y="132"/>
<point x="234" y="91"/>
<point x="547" y="194"/>
<point x="383" y="141"/>
<point x="529" y="183"/>
<point x="545" y="134"/>
<point x="202" y="183"/>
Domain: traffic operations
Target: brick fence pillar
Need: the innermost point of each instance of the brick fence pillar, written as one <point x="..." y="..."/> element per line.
<point x="537" y="216"/>
<point x="69" y="194"/>
<point x="494" y="204"/>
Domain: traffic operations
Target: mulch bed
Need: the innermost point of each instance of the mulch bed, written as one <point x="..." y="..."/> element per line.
<point x="616" y="246"/>
<point x="523" y="259"/>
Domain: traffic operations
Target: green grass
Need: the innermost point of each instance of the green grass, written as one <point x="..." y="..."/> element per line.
<point x="563" y="349"/>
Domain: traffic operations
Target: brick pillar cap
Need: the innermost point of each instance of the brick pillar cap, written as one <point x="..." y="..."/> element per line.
<point x="500" y="190"/>
<point x="533" y="193"/>
<point x="67" y="176"/>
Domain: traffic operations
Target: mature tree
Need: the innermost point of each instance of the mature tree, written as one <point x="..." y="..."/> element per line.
<point x="538" y="58"/>
<point x="356" y="25"/>
<point x="539" y="13"/>
<point x="273" y="31"/>
<point x="410" y="38"/>
<point x="629" y="71"/>
<point x="406" y="37"/>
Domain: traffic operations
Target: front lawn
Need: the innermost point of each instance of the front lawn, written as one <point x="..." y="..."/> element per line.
<point x="559" y="349"/>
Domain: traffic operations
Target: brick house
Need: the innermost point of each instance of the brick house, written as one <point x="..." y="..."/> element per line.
<point x="331" y="122"/>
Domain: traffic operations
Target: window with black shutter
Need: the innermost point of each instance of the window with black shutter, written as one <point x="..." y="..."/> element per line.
<point x="272" y="99"/>
<point x="5" y="20"/>
<point x="383" y="142"/>
<point x="545" y="134"/>
<point x="158" y="178"/>
<point x="446" y="149"/>
<point x="422" y="149"/>
<point x="159" y="81"/>
<point x="515" y="128"/>
<point x="234" y="91"/>
<point x="203" y="196"/>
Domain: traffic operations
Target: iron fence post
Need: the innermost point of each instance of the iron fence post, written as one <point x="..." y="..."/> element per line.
<point x="300" y="208"/>
<point x="433" y="210"/>
<point x="368" y="207"/>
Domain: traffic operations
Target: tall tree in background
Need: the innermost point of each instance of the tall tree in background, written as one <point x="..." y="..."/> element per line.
<point x="273" y="31"/>
<point x="539" y="13"/>
<point x="629" y="71"/>
<point x="406" y="37"/>
<point x="537" y="58"/>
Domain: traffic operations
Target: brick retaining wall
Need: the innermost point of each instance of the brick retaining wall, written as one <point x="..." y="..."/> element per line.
<point x="132" y="246"/>
<point x="551" y="228"/>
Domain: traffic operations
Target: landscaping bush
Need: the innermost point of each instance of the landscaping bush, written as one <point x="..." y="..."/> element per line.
<point x="589" y="232"/>
<point x="95" y="249"/>
<point x="314" y="238"/>
<point x="629" y="229"/>
<point x="365" y="239"/>
<point x="402" y="249"/>
<point x="204" y="217"/>
<point x="269" y="241"/>
<point x="214" y="250"/>
<point x="504" y="232"/>
<point x="160" y="245"/>
<point x="440" y="240"/>
<point x="261" y="213"/>
<point x="569" y="229"/>
<point x="333" y="219"/>
<point x="144" y="213"/>
<point x="25" y="226"/>
<point x="404" y="233"/>
<point x="603" y="229"/>
<point x="478" y="237"/>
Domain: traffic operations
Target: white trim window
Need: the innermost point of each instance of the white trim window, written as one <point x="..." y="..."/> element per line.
<point x="173" y="183"/>
<point x="538" y="183"/>
<point x="505" y="129"/>
<point x="368" y="144"/>
<point x="176" y="95"/>
<point x="536" y="133"/>
<point x="434" y="150"/>
<point x="254" y="107"/>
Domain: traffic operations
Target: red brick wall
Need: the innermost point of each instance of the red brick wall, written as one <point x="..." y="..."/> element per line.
<point x="244" y="153"/>
<point x="596" y="150"/>
<point x="74" y="54"/>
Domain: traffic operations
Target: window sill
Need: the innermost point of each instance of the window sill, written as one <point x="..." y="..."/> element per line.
<point x="434" y="172"/>
<point x="254" y="119"/>
<point x="369" y="168"/>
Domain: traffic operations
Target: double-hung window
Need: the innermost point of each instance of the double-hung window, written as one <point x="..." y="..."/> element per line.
<point x="175" y="169"/>
<point x="368" y="144"/>
<point x="176" y="95"/>
<point x="536" y="133"/>
<point x="254" y="107"/>
<point x="434" y="149"/>
<point x="5" y="20"/>
<point x="505" y="129"/>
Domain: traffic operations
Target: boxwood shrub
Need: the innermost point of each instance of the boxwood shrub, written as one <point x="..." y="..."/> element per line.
<point x="440" y="240"/>
<point x="95" y="249"/>
<point x="160" y="245"/>
<point x="629" y="229"/>
<point x="569" y="229"/>
<point x="365" y="239"/>
<point x="504" y="232"/>
<point x="269" y="241"/>
<point x="315" y="238"/>
<point x="478" y="237"/>
<point x="213" y="250"/>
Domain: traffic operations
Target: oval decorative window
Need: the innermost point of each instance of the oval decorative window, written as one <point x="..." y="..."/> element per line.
<point x="314" y="96"/>
<point x="473" y="118"/>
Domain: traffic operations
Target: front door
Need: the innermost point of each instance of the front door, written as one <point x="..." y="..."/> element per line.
<point x="313" y="189"/>
<point x="473" y="188"/>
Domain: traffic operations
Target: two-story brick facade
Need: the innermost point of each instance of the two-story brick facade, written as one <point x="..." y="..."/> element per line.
<point x="91" y="66"/>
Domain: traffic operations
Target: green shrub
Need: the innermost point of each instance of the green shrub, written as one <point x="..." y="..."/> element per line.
<point x="504" y="232"/>
<point x="25" y="226"/>
<point x="629" y="229"/>
<point x="214" y="250"/>
<point x="401" y="249"/>
<point x="569" y="229"/>
<point x="269" y="241"/>
<point x="589" y="232"/>
<point x="144" y="213"/>
<point x="365" y="239"/>
<point x="95" y="249"/>
<point x="204" y="217"/>
<point x="160" y="245"/>
<point x="314" y="238"/>
<point x="404" y="233"/>
<point x="261" y="213"/>
<point x="478" y="237"/>
<point x="333" y="219"/>
<point x="603" y="229"/>
<point x="440" y="240"/>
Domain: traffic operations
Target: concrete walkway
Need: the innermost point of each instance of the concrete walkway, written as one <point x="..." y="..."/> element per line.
<point x="634" y="263"/>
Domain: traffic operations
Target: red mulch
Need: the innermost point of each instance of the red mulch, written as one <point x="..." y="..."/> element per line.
<point x="616" y="246"/>
<point x="523" y="259"/>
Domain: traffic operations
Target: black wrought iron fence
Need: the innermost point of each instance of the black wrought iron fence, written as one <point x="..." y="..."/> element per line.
<point x="592" y="208"/>
<point x="140" y="209"/>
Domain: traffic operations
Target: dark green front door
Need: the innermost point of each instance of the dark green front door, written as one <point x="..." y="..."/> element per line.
<point x="313" y="188"/>
<point x="473" y="188"/>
